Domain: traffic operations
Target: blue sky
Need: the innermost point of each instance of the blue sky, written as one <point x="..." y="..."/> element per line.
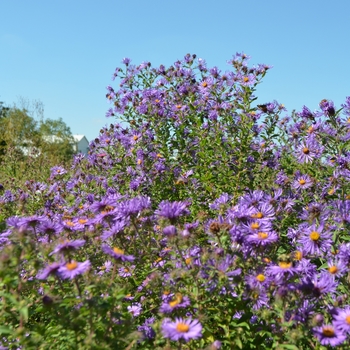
<point x="64" y="52"/>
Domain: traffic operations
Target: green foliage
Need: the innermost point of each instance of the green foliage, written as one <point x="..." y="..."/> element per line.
<point x="29" y="148"/>
<point x="204" y="208"/>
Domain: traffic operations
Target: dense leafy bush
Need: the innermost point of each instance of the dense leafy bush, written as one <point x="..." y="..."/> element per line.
<point x="204" y="221"/>
<point x="28" y="144"/>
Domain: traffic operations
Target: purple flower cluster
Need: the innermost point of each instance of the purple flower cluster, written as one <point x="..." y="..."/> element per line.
<point x="196" y="217"/>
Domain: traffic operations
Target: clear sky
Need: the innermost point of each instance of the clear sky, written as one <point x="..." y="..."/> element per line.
<point x="64" y="52"/>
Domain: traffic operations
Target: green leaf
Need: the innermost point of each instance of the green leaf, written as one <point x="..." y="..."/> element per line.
<point x="5" y="330"/>
<point x="288" y="347"/>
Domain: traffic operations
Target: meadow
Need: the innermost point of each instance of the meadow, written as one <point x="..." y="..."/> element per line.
<point x="201" y="220"/>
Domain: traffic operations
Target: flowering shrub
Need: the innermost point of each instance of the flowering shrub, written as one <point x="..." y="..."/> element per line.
<point x="203" y="221"/>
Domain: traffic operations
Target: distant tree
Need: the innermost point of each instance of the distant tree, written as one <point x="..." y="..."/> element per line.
<point x="56" y="138"/>
<point x="3" y="110"/>
<point x="20" y="130"/>
<point x="3" y="113"/>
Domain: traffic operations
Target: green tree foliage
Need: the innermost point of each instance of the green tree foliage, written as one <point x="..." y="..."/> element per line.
<point x="28" y="143"/>
<point x="56" y="139"/>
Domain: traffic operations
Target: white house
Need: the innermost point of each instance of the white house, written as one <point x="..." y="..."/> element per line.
<point x="81" y="144"/>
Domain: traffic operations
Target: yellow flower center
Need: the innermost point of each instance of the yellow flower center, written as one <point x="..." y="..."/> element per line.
<point x="333" y="269"/>
<point x="173" y="303"/>
<point x="258" y="215"/>
<point x="255" y="225"/>
<point x="118" y="251"/>
<point x="298" y="255"/>
<point x="328" y="331"/>
<point x="263" y="235"/>
<point x="157" y="101"/>
<point x="314" y="236"/>
<point x="135" y="137"/>
<point x="188" y="261"/>
<point x="108" y="208"/>
<point x="82" y="221"/>
<point x="306" y="150"/>
<point x="260" y="277"/>
<point x="182" y="327"/>
<point x="70" y="223"/>
<point x="347" y="319"/>
<point x="331" y="191"/>
<point x="204" y="84"/>
<point x="178" y="106"/>
<point x="71" y="266"/>
<point x="245" y="79"/>
<point x="284" y="264"/>
<point x="302" y="182"/>
<point x="139" y="161"/>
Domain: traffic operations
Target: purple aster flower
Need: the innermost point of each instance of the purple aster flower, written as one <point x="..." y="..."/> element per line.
<point x="134" y="206"/>
<point x="117" y="253"/>
<point x="309" y="150"/>
<point x="342" y="319"/>
<point x="327" y="107"/>
<point x="305" y="266"/>
<point x="57" y="170"/>
<point x="259" y="298"/>
<point x="68" y="246"/>
<point x="315" y="240"/>
<point x="221" y="201"/>
<point x="135" y="309"/>
<point x="126" y="61"/>
<point x="302" y="182"/>
<point x="186" y="329"/>
<point x="329" y="335"/>
<point x="342" y="212"/>
<point x="73" y="269"/>
<point x="170" y="231"/>
<point x="32" y="222"/>
<point x="262" y="238"/>
<point x="50" y="228"/>
<point x="258" y="280"/>
<point x="105" y="205"/>
<point x="263" y="211"/>
<point x="172" y="210"/>
<point x="173" y="302"/>
<point x="146" y="329"/>
<point x="48" y="270"/>
<point x="319" y="285"/>
<point x="117" y="227"/>
<point x="284" y="268"/>
<point x="337" y="267"/>
<point x="216" y="345"/>
<point x="105" y="268"/>
<point x="306" y="113"/>
<point x="126" y="271"/>
<point x="344" y="253"/>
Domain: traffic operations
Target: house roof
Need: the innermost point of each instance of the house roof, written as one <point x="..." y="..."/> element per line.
<point x="54" y="138"/>
<point x="78" y="138"/>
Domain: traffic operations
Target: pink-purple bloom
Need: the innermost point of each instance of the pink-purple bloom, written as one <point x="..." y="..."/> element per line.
<point x="181" y="328"/>
<point x="73" y="269"/>
<point x="329" y="335"/>
<point x="117" y="253"/>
